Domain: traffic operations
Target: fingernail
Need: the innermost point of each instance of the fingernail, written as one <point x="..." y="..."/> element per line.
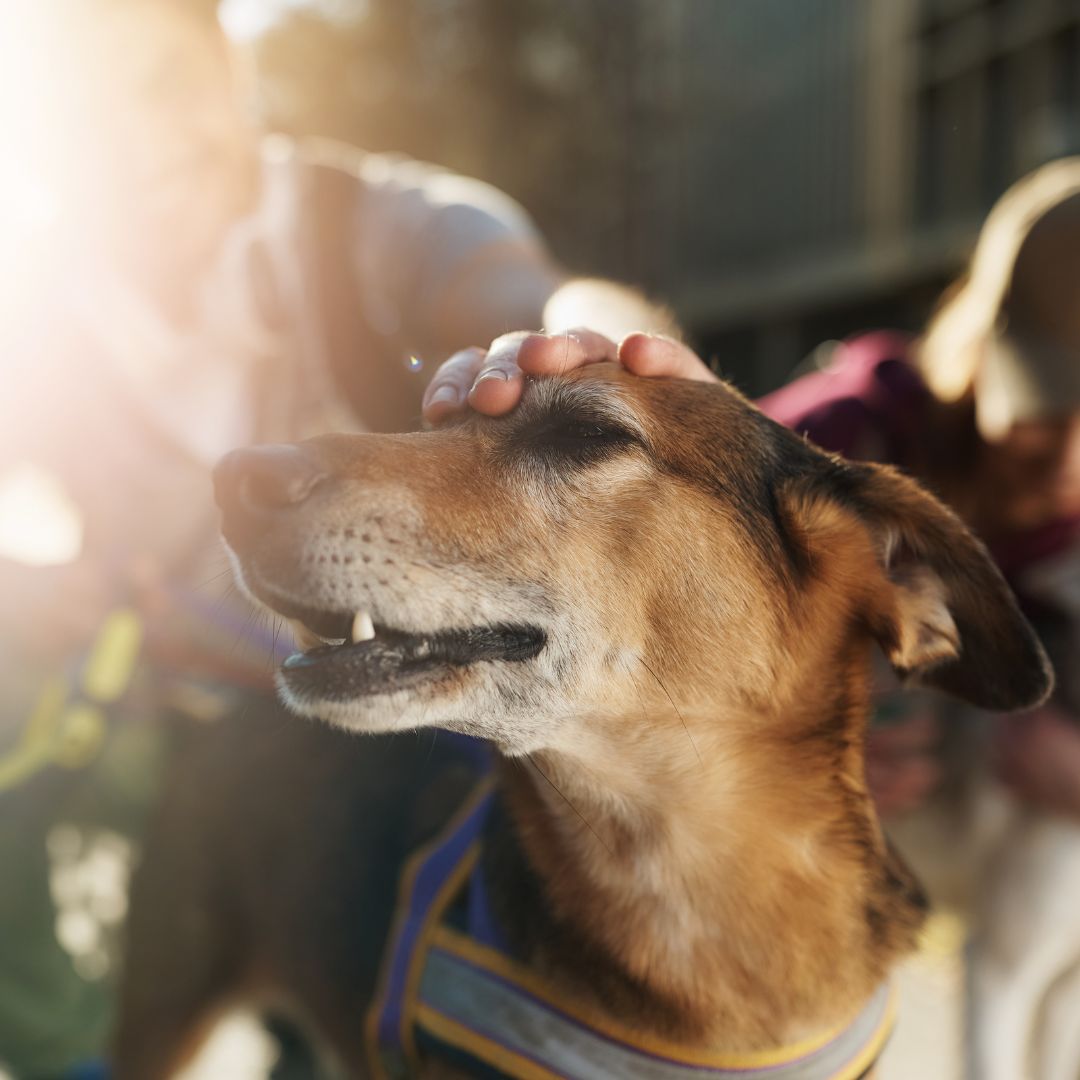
<point x="491" y="373"/>
<point x="445" y="394"/>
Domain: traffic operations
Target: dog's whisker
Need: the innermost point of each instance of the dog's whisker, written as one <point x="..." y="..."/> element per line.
<point x="682" y="719"/>
<point x="431" y="748"/>
<point x="250" y="623"/>
<point x="229" y="592"/>
<point x="278" y="625"/>
<point x="555" y="787"/>
<point x="213" y="578"/>
<point x="640" y="695"/>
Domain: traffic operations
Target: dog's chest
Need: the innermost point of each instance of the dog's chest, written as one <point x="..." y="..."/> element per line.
<point x="455" y="1001"/>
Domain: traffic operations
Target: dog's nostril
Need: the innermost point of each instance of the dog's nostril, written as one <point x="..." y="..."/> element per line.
<point x="265" y="478"/>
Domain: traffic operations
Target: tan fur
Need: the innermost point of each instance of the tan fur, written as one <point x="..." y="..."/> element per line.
<point x="684" y="759"/>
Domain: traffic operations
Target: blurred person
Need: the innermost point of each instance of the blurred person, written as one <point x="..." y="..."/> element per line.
<point x="985" y="408"/>
<point x="197" y="288"/>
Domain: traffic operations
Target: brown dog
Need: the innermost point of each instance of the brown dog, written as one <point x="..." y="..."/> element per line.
<point x="659" y="607"/>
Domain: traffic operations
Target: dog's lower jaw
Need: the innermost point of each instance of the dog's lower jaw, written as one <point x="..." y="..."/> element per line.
<point x="518" y="706"/>
<point x="720" y="935"/>
<point x="455" y="708"/>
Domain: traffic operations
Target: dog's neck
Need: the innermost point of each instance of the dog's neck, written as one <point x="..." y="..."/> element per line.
<point x="728" y="888"/>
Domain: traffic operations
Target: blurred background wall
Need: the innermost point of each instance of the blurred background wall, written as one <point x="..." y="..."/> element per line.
<point x="780" y="172"/>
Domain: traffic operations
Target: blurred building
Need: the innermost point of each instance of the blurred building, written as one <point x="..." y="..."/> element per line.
<point x="782" y="171"/>
<point x="859" y="162"/>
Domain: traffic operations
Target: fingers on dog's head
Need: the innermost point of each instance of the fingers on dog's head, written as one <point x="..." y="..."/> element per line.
<point x="558" y="354"/>
<point x="448" y="390"/>
<point x="654" y="355"/>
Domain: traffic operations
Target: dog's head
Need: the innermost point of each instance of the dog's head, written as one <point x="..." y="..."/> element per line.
<point x="613" y="544"/>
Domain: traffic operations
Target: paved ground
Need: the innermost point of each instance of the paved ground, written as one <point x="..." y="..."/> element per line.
<point x="928" y="1043"/>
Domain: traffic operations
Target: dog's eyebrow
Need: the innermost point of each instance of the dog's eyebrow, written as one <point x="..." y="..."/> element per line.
<point x="595" y="400"/>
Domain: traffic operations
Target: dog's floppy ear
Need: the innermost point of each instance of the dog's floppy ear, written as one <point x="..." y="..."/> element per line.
<point x="947" y="618"/>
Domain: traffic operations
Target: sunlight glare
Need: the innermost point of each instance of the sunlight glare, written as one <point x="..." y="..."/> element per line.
<point x="26" y="204"/>
<point x="39" y="523"/>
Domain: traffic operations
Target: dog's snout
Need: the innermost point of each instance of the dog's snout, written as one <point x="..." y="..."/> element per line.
<point x="262" y="480"/>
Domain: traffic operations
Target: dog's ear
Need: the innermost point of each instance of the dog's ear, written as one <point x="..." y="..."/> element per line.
<point x="946" y="616"/>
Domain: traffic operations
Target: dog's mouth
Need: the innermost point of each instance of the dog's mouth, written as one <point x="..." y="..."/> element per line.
<point x="358" y="657"/>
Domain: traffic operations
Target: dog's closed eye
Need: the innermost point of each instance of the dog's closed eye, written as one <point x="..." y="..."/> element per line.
<point x="578" y="439"/>
<point x="570" y="427"/>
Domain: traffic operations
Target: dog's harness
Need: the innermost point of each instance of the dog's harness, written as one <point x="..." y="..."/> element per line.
<point x="451" y="992"/>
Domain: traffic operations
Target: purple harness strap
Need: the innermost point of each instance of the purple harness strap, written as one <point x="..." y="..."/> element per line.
<point x="431" y="877"/>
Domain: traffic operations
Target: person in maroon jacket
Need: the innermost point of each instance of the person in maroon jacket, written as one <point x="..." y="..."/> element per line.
<point x="984" y="409"/>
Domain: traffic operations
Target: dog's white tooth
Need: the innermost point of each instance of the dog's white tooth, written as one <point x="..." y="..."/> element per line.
<point x="363" y="629"/>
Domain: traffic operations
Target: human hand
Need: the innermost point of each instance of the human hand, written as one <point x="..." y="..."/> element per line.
<point x="1038" y="757"/>
<point x="902" y="769"/>
<point x="491" y="380"/>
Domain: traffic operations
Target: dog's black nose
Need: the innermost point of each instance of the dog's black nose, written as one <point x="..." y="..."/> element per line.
<point x="263" y="479"/>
